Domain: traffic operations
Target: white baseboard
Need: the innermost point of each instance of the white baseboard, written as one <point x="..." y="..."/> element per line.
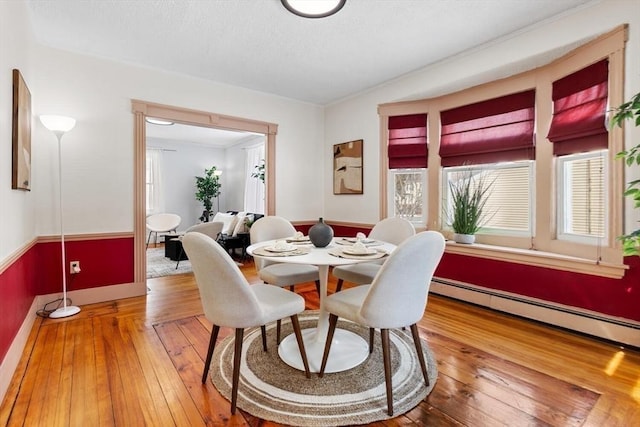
<point x="79" y="297"/>
<point x="94" y="295"/>
<point x="612" y="328"/>
<point x="12" y="358"/>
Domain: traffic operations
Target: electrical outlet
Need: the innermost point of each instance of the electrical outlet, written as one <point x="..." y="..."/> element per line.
<point x="74" y="267"/>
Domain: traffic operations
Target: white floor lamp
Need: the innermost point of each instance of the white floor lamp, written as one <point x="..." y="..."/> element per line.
<point x="59" y="125"/>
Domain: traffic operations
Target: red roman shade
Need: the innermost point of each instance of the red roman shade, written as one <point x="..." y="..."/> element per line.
<point x="496" y="130"/>
<point x="579" y="111"/>
<point x="408" y="141"/>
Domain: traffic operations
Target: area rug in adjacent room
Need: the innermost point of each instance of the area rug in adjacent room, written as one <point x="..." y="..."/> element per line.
<point x="272" y="390"/>
<point x="158" y="265"/>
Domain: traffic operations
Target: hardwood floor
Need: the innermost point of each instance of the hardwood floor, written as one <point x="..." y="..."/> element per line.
<point x="138" y="361"/>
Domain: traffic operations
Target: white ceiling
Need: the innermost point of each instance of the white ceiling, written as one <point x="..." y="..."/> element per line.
<point x="259" y="45"/>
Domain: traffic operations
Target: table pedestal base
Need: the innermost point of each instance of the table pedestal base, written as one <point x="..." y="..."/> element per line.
<point x="348" y="350"/>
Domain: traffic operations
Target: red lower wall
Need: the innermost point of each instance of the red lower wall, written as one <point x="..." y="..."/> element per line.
<point x="39" y="272"/>
<point x="614" y="297"/>
<point x="110" y="261"/>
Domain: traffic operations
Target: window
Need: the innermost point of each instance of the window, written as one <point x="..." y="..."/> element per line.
<point x="557" y="194"/>
<point x="407" y="152"/>
<point x="153" y="180"/>
<point x="508" y="210"/>
<point x="407" y="196"/>
<point x="581" y="197"/>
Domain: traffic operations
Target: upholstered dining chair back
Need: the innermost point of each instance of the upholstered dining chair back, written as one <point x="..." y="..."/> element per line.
<point x="226" y="295"/>
<point x="398" y="295"/>
<point x="394" y="230"/>
<point x="270" y="228"/>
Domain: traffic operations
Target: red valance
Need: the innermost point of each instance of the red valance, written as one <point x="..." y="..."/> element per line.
<point x="579" y="111"/>
<point x="496" y="130"/>
<point x="408" y="141"/>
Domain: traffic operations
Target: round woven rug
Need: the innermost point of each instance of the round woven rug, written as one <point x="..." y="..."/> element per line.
<point x="272" y="390"/>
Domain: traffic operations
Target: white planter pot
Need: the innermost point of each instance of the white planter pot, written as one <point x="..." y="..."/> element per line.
<point x="464" y="238"/>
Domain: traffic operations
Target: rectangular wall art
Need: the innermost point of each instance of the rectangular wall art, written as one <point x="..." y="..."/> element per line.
<point x="347" y="167"/>
<point x="21" y="164"/>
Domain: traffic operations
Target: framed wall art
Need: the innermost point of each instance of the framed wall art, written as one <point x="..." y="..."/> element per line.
<point x="21" y="135"/>
<point x="347" y="167"/>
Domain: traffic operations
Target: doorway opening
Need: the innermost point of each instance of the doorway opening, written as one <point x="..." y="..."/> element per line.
<point x="142" y="110"/>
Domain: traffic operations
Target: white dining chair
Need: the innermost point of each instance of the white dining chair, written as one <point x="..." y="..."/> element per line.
<point x="162" y="223"/>
<point x="211" y="229"/>
<point x="397" y="298"/>
<point x="229" y="300"/>
<point x="280" y="274"/>
<point x="393" y="230"/>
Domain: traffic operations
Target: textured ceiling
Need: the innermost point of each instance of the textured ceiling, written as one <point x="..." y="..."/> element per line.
<point x="258" y="44"/>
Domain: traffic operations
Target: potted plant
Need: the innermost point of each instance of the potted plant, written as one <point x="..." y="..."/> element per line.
<point x="208" y="187"/>
<point x="259" y="171"/>
<point x="630" y="111"/>
<point x="469" y="191"/>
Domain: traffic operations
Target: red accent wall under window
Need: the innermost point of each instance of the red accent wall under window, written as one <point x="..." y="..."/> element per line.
<point x="615" y="297"/>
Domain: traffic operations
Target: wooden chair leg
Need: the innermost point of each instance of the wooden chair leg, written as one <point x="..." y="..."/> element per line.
<point x="339" y="285"/>
<point x="263" y="331"/>
<point x="386" y="357"/>
<point x="237" y="356"/>
<point x="416" y="341"/>
<point x="278" y="326"/>
<point x="303" y="352"/>
<point x="212" y="345"/>
<point x="149" y="239"/>
<point x="333" y="321"/>
<point x="371" y="339"/>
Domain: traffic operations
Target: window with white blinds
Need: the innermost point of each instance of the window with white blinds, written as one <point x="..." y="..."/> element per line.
<point x="508" y="210"/>
<point x="581" y="197"/>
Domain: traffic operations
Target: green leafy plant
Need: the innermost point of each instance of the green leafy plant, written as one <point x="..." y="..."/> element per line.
<point x="630" y="111"/>
<point x="469" y="194"/>
<point x="208" y="187"/>
<point x="259" y="171"/>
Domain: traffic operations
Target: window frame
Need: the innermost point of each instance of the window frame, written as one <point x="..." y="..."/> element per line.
<point x="562" y="234"/>
<point x="543" y="248"/>
<point x="391" y="174"/>
<point x="487" y="230"/>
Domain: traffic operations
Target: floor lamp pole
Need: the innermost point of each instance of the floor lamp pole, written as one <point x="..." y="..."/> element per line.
<point x="58" y="126"/>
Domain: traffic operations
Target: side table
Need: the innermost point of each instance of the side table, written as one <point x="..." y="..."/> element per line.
<point x="173" y="248"/>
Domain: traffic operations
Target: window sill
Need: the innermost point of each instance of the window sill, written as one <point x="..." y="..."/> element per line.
<point x="538" y="259"/>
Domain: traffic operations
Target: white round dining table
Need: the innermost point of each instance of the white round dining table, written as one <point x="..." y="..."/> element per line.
<point x="348" y="349"/>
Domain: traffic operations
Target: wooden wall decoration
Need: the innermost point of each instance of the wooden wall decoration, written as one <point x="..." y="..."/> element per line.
<point x="21" y="136"/>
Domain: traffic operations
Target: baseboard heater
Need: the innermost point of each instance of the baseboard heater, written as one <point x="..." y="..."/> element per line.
<point x="611" y="328"/>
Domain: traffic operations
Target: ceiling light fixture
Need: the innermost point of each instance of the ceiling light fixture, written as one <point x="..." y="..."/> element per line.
<point x="313" y="8"/>
<point x="158" y="121"/>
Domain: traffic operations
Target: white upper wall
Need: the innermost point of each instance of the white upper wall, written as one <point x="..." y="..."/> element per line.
<point x="357" y="118"/>
<point x="17" y="214"/>
<point x="98" y="152"/>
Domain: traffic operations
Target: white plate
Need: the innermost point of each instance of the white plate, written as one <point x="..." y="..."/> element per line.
<point x="351" y="251"/>
<point x="355" y="239"/>
<point x="301" y="239"/>
<point x="274" y="249"/>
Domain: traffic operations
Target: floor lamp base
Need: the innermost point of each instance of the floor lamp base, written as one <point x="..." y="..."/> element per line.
<point x="67" y="311"/>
